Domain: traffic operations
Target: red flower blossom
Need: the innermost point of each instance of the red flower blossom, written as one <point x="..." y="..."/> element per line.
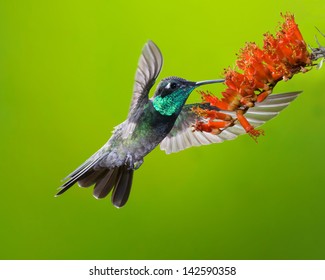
<point x="260" y="69"/>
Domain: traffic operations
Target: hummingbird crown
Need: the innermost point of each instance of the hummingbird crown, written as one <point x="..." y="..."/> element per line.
<point x="174" y="78"/>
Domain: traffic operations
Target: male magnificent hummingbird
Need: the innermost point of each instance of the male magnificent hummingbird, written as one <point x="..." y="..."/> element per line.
<point x="162" y="119"/>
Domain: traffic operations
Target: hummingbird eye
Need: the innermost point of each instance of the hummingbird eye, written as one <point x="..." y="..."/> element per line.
<point x="173" y="85"/>
<point x="168" y="89"/>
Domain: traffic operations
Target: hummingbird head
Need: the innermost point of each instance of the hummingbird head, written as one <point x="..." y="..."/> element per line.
<point x="172" y="93"/>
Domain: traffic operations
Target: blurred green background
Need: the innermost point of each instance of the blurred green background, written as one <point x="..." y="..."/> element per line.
<point x="66" y="78"/>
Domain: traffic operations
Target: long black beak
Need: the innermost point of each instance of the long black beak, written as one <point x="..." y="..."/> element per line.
<point x="209" y="82"/>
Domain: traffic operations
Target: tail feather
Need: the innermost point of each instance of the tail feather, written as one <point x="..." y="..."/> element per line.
<point x="92" y="177"/>
<point x="67" y="185"/>
<point x="123" y="187"/>
<point x="117" y="178"/>
<point x="83" y="173"/>
<point x="106" y="183"/>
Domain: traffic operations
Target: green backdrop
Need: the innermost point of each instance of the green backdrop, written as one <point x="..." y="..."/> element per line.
<point x="66" y="78"/>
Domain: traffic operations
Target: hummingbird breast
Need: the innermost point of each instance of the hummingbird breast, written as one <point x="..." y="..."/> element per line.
<point x="147" y="130"/>
<point x="150" y="130"/>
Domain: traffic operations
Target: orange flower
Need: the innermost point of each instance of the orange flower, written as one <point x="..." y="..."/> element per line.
<point x="281" y="57"/>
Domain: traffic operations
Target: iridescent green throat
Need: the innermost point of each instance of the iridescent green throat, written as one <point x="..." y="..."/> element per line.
<point x="171" y="103"/>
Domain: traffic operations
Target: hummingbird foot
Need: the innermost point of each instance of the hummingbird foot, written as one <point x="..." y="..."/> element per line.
<point x="137" y="164"/>
<point x="131" y="164"/>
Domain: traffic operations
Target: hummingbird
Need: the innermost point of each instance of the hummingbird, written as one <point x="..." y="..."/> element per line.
<point x="148" y="122"/>
<point x="164" y="119"/>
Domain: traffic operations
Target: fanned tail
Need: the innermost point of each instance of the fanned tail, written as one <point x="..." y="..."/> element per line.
<point x="118" y="179"/>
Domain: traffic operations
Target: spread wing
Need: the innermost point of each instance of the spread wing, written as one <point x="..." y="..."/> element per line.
<point x="149" y="67"/>
<point x="182" y="137"/>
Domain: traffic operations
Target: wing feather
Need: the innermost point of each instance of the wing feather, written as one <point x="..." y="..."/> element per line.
<point x="182" y="135"/>
<point x="149" y="67"/>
